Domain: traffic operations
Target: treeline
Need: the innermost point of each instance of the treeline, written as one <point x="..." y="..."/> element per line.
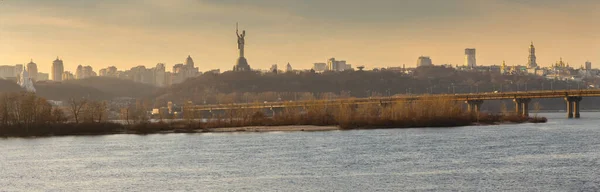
<point x="242" y="87"/>
<point x="26" y="114"/>
<point x="98" y="88"/>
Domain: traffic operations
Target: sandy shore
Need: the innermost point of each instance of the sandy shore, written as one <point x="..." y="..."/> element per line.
<point x="274" y="128"/>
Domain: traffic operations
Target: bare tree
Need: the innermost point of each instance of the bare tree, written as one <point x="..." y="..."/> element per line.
<point x="125" y="113"/>
<point x="58" y="115"/>
<point x="76" y="106"/>
<point x="101" y="110"/>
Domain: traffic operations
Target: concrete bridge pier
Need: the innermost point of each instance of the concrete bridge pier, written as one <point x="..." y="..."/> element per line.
<point x="573" y="107"/>
<point x="522" y="106"/>
<point x="474" y="106"/>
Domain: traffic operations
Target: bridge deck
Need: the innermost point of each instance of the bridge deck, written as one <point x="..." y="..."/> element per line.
<point x="404" y="98"/>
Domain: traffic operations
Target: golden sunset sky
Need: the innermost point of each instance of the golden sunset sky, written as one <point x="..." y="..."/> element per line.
<point x="375" y="33"/>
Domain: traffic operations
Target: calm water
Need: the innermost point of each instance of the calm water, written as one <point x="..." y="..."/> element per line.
<point x="563" y="155"/>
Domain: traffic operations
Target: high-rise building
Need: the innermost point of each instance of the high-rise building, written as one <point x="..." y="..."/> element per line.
<point x="142" y="74"/>
<point x="424" y="61"/>
<point x="43" y="76"/>
<point x="160" y="78"/>
<point x="183" y="71"/>
<point x="189" y="62"/>
<point x="88" y="72"/>
<point x="320" y="67"/>
<point x="102" y="72"/>
<point x="79" y="72"/>
<point x="84" y="72"/>
<point x="57" y="70"/>
<point x="470" y="58"/>
<point x="67" y="75"/>
<point x="588" y="65"/>
<point x="532" y="61"/>
<point x="178" y="73"/>
<point x="32" y="70"/>
<point x="334" y="65"/>
<point x="108" y="72"/>
<point x="9" y="72"/>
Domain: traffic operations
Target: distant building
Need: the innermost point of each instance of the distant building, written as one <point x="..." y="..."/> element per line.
<point x="141" y="74"/>
<point x="109" y="72"/>
<point x="334" y="65"/>
<point x="102" y="72"/>
<point x="57" y="70"/>
<point x="588" y="65"/>
<point x="9" y="71"/>
<point x="178" y="73"/>
<point x="84" y="72"/>
<point x="470" y="58"/>
<point x="532" y="63"/>
<point x="67" y="75"/>
<point x="79" y="72"/>
<point x="561" y="64"/>
<point x="424" y="61"/>
<point x="160" y="75"/>
<point x="503" y="68"/>
<point x="25" y="81"/>
<point x="168" y="80"/>
<point x="273" y="68"/>
<point x="19" y="69"/>
<point x="181" y="72"/>
<point x="214" y="71"/>
<point x="288" y="68"/>
<point x="320" y="67"/>
<point x="43" y="76"/>
<point x="32" y="70"/>
<point x="395" y="69"/>
<point x="189" y="62"/>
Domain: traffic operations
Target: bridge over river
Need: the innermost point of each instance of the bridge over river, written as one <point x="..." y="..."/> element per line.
<point x="472" y="100"/>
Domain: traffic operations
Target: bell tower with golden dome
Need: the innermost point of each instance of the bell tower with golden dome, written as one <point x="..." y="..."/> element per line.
<point x="532" y="62"/>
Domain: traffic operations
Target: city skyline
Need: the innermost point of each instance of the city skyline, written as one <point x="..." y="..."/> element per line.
<point x="499" y="30"/>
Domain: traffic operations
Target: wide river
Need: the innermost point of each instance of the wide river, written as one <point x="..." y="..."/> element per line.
<point x="562" y="155"/>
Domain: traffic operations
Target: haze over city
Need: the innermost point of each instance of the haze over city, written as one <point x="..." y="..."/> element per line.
<point x="299" y="95"/>
<point x="382" y="33"/>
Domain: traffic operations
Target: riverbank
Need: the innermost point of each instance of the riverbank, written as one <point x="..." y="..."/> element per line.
<point x="314" y="117"/>
<point x="47" y="130"/>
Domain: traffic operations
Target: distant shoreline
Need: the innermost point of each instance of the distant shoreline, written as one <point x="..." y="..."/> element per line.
<point x="99" y="129"/>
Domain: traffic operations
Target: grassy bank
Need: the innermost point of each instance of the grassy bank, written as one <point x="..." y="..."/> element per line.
<point x="343" y="116"/>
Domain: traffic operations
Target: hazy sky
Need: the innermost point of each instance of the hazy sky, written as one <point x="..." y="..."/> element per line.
<point x="374" y="33"/>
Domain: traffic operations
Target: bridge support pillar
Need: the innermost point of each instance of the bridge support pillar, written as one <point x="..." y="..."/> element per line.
<point x="474" y="106"/>
<point x="522" y="106"/>
<point x="573" y="107"/>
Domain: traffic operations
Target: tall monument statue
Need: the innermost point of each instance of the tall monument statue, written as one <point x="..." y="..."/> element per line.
<point x="241" y="40"/>
<point x="242" y="63"/>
